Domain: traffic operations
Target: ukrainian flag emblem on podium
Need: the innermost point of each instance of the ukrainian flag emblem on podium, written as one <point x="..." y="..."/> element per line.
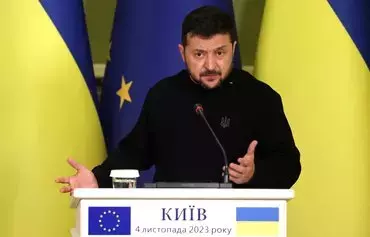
<point x="257" y="221"/>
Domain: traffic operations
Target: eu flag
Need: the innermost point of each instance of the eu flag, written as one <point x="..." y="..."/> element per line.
<point x="144" y="50"/>
<point x="109" y="220"/>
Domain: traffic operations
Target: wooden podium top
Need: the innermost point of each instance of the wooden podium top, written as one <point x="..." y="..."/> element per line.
<point x="181" y="193"/>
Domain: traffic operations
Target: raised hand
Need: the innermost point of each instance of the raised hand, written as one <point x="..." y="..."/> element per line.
<point x="83" y="178"/>
<point x="241" y="173"/>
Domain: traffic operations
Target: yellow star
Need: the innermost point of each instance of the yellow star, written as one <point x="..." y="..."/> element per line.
<point x="123" y="92"/>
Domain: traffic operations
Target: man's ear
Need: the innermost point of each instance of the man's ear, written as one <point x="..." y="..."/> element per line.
<point x="182" y="51"/>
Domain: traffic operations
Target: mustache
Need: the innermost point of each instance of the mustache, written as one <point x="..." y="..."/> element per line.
<point x="211" y="73"/>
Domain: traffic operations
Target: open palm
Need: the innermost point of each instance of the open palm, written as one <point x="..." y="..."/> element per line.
<point x="83" y="178"/>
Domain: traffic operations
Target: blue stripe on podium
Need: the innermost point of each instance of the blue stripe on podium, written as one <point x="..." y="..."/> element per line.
<point x="257" y="214"/>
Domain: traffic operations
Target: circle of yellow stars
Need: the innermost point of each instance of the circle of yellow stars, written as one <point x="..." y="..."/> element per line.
<point x="123" y="92"/>
<point x="116" y="225"/>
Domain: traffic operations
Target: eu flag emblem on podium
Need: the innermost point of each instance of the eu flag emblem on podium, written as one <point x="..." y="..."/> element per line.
<point x="109" y="221"/>
<point x="144" y="50"/>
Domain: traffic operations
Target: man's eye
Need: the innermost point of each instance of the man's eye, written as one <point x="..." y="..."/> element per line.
<point x="220" y="53"/>
<point x="199" y="54"/>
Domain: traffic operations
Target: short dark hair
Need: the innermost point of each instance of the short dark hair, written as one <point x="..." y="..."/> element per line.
<point x="207" y="21"/>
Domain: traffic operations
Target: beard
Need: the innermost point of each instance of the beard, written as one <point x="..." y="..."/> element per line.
<point x="197" y="78"/>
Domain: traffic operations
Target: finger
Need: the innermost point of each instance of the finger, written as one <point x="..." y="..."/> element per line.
<point x="63" y="180"/>
<point x="246" y="161"/>
<point x="236" y="168"/>
<point x="235" y="174"/>
<point x="252" y="147"/>
<point x="235" y="180"/>
<point x="75" y="164"/>
<point x="66" y="189"/>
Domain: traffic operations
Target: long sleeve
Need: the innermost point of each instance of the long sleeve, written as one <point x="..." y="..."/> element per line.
<point x="277" y="159"/>
<point x="131" y="152"/>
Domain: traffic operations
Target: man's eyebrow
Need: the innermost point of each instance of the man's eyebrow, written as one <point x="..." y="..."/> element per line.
<point x="221" y="47"/>
<point x="203" y="50"/>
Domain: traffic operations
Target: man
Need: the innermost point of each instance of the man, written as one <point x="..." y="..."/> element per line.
<point x="242" y="111"/>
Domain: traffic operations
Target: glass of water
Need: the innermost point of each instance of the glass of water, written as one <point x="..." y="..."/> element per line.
<point x="124" y="178"/>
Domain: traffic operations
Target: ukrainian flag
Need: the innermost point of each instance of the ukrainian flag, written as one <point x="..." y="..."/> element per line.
<point x="257" y="221"/>
<point x="316" y="53"/>
<point x="48" y="113"/>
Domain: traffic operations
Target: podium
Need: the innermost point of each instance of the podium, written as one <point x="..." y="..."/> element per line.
<point x="171" y="212"/>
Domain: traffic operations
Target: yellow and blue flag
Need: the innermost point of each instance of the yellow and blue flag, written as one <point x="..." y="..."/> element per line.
<point x="317" y="55"/>
<point x="143" y="51"/>
<point x="48" y="113"/>
<point x="257" y="221"/>
<point x="76" y="38"/>
<point x="355" y="18"/>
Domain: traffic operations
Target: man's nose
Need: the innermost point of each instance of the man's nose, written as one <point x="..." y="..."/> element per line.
<point x="210" y="63"/>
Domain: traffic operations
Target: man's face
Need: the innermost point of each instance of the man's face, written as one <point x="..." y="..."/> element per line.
<point x="209" y="60"/>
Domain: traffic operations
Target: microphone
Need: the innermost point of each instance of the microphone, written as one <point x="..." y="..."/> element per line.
<point x="199" y="111"/>
<point x="225" y="184"/>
